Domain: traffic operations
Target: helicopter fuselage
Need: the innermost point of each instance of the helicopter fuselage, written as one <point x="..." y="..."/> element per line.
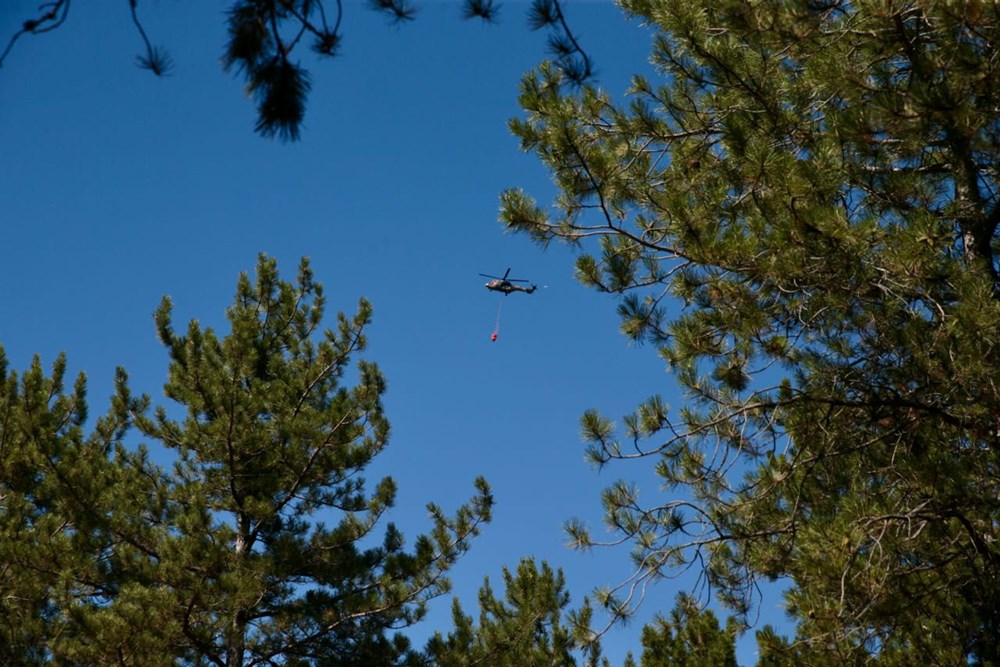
<point x="507" y="287"/>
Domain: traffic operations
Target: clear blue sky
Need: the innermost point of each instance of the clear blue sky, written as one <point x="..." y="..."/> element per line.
<point x="117" y="187"/>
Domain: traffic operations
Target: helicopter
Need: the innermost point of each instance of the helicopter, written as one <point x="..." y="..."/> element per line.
<point x="506" y="285"/>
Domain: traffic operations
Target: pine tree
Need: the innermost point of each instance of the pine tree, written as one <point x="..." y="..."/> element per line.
<point x="533" y="626"/>
<point x="40" y="429"/>
<point x="801" y="215"/>
<point x="59" y="495"/>
<point x="529" y="627"/>
<point x="691" y="637"/>
<point x="260" y="545"/>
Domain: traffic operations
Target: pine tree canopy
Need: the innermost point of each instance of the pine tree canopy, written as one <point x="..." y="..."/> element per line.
<point x="262" y="543"/>
<point x="528" y="627"/>
<point x="690" y="637"/>
<point x="800" y="212"/>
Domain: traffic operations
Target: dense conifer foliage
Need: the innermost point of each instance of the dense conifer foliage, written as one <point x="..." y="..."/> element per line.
<point x="800" y="212"/>
<point x="261" y="544"/>
<point x="529" y="626"/>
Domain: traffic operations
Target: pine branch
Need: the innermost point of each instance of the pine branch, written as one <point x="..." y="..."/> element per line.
<point x="572" y="60"/>
<point x="53" y="15"/>
<point x="487" y="10"/>
<point x="156" y="60"/>
<point x="263" y="34"/>
<point x="397" y="11"/>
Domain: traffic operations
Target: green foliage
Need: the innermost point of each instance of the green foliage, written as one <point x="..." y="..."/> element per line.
<point x="801" y="215"/>
<point x="527" y="628"/>
<point x="40" y="431"/>
<point x="691" y="637"/>
<point x="532" y="627"/>
<point x="260" y="545"/>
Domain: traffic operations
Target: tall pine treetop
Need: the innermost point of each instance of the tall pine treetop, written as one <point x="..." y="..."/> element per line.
<point x="261" y="545"/>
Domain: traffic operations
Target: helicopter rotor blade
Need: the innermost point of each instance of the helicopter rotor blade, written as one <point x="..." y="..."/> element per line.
<point x="505" y="278"/>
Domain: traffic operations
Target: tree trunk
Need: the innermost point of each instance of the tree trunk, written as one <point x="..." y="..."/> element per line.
<point x="236" y="642"/>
